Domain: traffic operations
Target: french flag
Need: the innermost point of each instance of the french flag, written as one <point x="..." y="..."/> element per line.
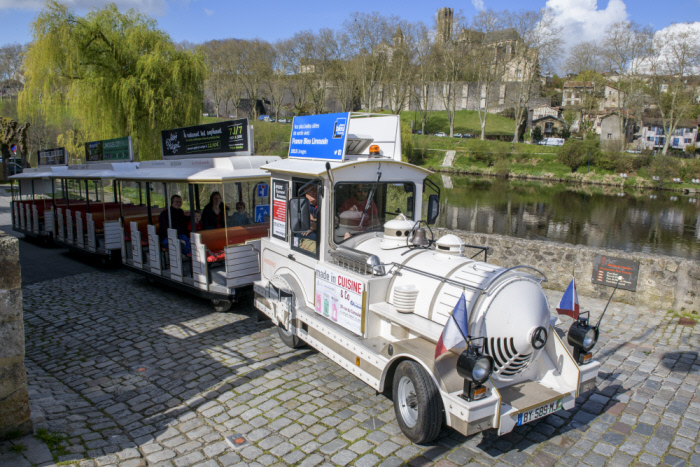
<point x="568" y="305"/>
<point x="455" y="331"/>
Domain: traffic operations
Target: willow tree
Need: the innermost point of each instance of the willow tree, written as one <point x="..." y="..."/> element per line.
<point x="114" y="74"/>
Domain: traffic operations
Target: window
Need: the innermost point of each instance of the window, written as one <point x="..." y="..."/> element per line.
<point x="548" y="126"/>
<point x="609" y="135"/>
<point x="688" y="141"/>
<point x="650" y="138"/>
<point x="307" y="242"/>
<point x="366" y="207"/>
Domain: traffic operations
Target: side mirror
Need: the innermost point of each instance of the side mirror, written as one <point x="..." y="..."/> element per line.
<point x="299" y="215"/>
<point x="433" y="208"/>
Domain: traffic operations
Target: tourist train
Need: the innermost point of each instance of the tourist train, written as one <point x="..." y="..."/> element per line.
<point x="337" y="242"/>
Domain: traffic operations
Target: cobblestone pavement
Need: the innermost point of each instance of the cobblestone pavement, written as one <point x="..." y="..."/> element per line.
<point x="132" y="374"/>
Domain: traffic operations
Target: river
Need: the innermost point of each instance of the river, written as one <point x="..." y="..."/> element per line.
<point x="651" y="221"/>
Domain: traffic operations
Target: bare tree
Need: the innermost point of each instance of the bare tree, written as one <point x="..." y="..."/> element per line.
<point x="214" y="51"/>
<point x="256" y="59"/>
<point x="624" y="47"/>
<point x="584" y="56"/>
<point x="233" y="82"/>
<point x="344" y="74"/>
<point x="399" y="78"/>
<point x="424" y="72"/>
<point x="538" y="45"/>
<point x="10" y="64"/>
<point x="674" y="60"/>
<point x="277" y="81"/>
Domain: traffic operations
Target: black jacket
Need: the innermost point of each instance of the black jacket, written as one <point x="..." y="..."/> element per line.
<point x="209" y="218"/>
<point x="178" y="221"/>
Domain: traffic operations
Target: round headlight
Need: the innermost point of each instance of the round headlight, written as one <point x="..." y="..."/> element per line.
<point x="582" y="336"/>
<point x="474" y="367"/>
<point x="482" y="369"/>
<point x="590" y="339"/>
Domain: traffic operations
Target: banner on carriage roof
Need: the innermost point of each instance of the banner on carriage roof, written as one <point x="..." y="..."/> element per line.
<point x="56" y="156"/>
<point x="320" y="137"/>
<point x="229" y="138"/>
<point x="109" y="150"/>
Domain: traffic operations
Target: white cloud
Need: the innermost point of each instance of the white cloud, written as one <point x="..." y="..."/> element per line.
<point x="208" y="11"/>
<point x="155" y="7"/>
<point x="478" y="4"/>
<point x="582" y="20"/>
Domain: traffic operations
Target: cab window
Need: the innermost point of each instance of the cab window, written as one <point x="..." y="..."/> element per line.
<point x="366" y="207"/>
<point x="307" y="242"/>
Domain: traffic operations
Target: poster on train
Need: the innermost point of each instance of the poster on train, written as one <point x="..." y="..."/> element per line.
<point x="340" y="298"/>
<point x="109" y="150"/>
<point x="56" y="156"/>
<point x="229" y="138"/>
<point x="279" y="209"/>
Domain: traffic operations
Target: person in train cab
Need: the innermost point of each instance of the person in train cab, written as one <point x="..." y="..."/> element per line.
<point x="197" y="221"/>
<point x="240" y="217"/>
<point x="177" y="221"/>
<point x="308" y="239"/>
<point x="214" y="213"/>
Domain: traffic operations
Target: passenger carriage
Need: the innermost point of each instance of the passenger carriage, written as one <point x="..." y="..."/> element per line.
<point x="212" y="261"/>
<point x="379" y="294"/>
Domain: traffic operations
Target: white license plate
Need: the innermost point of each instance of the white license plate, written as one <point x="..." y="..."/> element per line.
<point x="539" y="412"/>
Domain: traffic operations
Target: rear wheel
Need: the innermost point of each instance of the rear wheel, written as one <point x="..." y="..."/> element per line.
<point x="221" y="306"/>
<point x="417" y="403"/>
<point x="289" y="339"/>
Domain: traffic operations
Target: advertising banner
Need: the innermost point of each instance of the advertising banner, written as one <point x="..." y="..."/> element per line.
<point x="320" y="137"/>
<point x="109" y="150"/>
<point x="279" y="209"/>
<point x="231" y="137"/>
<point x="55" y="156"/>
<point x="340" y="298"/>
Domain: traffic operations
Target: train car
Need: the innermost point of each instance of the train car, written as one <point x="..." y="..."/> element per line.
<point x="196" y="224"/>
<point x="32" y="204"/>
<point x="86" y="208"/>
<point x="352" y="268"/>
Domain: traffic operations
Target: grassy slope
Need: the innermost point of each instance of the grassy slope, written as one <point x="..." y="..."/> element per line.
<point x="466" y="121"/>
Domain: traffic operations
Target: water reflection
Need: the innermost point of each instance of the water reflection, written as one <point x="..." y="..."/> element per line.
<point x="647" y="221"/>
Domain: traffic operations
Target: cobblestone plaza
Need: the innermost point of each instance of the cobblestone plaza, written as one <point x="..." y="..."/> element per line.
<point x="132" y="374"/>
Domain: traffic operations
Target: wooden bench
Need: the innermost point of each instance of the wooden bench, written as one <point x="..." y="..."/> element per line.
<point x="216" y="239"/>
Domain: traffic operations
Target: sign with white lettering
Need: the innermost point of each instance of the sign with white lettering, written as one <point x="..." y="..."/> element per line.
<point x="52" y="157"/>
<point x="608" y="270"/>
<point x="109" y="150"/>
<point x="340" y="298"/>
<point x="279" y="209"/>
<point x="320" y="137"/>
<point x="231" y="137"/>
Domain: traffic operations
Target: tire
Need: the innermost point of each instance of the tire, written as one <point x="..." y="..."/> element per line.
<point x="221" y="306"/>
<point x="289" y="339"/>
<point x="417" y="403"/>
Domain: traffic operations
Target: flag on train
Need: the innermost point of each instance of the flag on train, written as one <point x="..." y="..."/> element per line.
<point x="455" y="333"/>
<point x="568" y="305"/>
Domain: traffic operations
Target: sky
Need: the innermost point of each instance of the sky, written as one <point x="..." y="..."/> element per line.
<point x="202" y="20"/>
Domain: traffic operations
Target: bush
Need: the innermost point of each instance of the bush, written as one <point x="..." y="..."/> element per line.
<point x="643" y="160"/>
<point x="502" y="165"/>
<point x="575" y="153"/>
<point x="537" y="134"/>
<point x="664" y="167"/>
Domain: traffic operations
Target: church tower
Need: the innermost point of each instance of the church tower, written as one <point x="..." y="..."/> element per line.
<point x="444" y="25"/>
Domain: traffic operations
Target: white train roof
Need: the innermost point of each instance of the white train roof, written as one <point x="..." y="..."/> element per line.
<point x="391" y="169"/>
<point x="211" y="169"/>
<point x="101" y="171"/>
<point x="39" y="172"/>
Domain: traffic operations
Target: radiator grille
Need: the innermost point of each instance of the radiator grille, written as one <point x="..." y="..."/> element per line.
<point x="507" y="360"/>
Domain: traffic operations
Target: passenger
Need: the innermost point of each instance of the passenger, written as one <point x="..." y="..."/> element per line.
<point x="240" y="217"/>
<point x="213" y="213"/>
<point x="178" y="221"/>
<point x="197" y="221"/>
<point x="308" y="238"/>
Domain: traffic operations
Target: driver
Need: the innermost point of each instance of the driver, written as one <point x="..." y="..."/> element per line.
<point x="358" y="202"/>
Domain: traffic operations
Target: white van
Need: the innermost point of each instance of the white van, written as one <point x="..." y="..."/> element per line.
<point x="552" y="142"/>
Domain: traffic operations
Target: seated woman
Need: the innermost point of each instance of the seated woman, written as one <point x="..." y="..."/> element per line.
<point x="240" y="217"/>
<point x="214" y="213"/>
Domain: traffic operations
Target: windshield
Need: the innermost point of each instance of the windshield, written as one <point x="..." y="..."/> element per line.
<point x="365" y="207"/>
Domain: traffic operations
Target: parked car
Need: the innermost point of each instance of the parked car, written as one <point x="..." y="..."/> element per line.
<point x="419" y="132"/>
<point x="272" y="120"/>
<point x="440" y="133"/>
<point x="264" y="118"/>
<point x="552" y="142"/>
<point x="205" y="115"/>
<point x="231" y="116"/>
<point x="467" y="135"/>
<point x="457" y="135"/>
<point x="283" y="120"/>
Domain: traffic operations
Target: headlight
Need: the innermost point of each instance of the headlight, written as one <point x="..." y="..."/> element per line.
<point x="582" y="335"/>
<point x="474" y="367"/>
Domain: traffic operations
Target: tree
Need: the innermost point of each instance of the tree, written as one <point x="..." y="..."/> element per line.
<point x="424" y="77"/>
<point x="255" y="68"/>
<point x="214" y="51"/>
<point x="233" y="84"/>
<point x="10" y="64"/>
<point x="11" y="132"/>
<point x="590" y="99"/>
<point x="673" y="62"/>
<point x="575" y="153"/>
<point x="582" y="57"/>
<point x="116" y="74"/>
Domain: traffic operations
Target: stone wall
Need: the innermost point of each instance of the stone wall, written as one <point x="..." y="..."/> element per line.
<point x="665" y="282"/>
<point x="14" y="399"/>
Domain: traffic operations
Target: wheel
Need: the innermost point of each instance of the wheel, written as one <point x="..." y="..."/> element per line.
<point x="289" y="339"/>
<point x="417" y="403"/>
<point x="222" y="306"/>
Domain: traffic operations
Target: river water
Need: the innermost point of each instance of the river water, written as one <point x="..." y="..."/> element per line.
<point x="646" y="221"/>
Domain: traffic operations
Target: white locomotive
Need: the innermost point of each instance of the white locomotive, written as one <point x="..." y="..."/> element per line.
<point x="349" y="269"/>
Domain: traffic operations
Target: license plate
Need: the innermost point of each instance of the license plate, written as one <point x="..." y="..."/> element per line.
<point x="539" y="412"/>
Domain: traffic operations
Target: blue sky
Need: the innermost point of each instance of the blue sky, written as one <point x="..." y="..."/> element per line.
<point x="202" y="20"/>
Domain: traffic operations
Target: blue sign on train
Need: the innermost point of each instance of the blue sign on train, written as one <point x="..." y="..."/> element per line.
<point x="319" y="136"/>
<point x="261" y="212"/>
<point x="263" y="190"/>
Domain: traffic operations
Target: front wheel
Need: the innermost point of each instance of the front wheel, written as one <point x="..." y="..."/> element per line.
<point x="221" y="306"/>
<point x="289" y="339"/>
<point x="417" y="403"/>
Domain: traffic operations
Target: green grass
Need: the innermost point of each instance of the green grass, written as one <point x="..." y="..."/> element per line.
<point x="466" y="121"/>
<point x="54" y="441"/>
<point x="18" y="448"/>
